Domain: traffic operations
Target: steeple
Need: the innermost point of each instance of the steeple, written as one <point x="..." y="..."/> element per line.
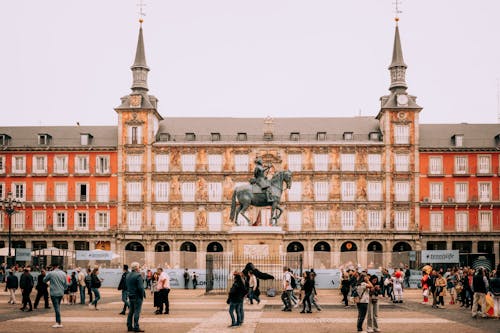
<point x="398" y="66"/>
<point x="139" y="68"/>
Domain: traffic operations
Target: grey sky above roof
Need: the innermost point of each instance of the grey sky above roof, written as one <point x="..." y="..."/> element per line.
<point x="70" y="61"/>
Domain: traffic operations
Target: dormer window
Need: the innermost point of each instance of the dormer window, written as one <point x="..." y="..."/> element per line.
<point x="294" y="136"/>
<point x="458" y="140"/>
<point x="85" y="139"/>
<point x="374" y="136"/>
<point x="4" y="139"/>
<point x="215" y="136"/>
<point x="43" y="139"/>
<point x="241" y="137"/>
<point x="164" y="137"/>
<point x="268" y="136"/>
<point x="348" y="136"/>
<point x="321" y="136"/>
<point x="190" y="137"/>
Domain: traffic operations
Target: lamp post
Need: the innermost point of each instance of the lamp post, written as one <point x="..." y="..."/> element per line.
<point x="10" y="205"/>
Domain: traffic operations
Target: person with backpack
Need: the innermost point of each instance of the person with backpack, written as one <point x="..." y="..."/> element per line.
<point x="95" y="284"/>
<point x="122" y="285"/>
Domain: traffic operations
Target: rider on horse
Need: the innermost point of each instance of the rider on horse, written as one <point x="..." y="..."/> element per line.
<point x="260" y="177"/>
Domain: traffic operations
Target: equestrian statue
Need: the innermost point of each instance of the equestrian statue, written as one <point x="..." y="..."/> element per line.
<point x="261" y="192"/>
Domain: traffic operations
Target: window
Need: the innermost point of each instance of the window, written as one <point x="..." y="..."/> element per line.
<point x="188" y="162"/>
<point x="374" y="219"/>
<point x="162" y="221"/>
<point x="2" y="192"/>
<point x="241" y="163"/>
<point x="214" y="192"/>
<point x="102" y="164"/>
<point x="348" y="191"/>
<point x="401" y="220"/>
<point x="134" y="191"/>
<point x="39" y="192"/>
<point x="374" y="136"/>
<point x="320" y="191"/>
<point x="39" y="164"/>
<point x="2" y="164"/>
<point x="18" y="164"/>
<point x="461" y="165"/>
<point x="19" y="191"/>
<point x="402" y="162"/>
<point x="484" y="192"/>
<point x="435" y="165"/>
<point x="436" y="192"/>
<point x="295" y="162"/>
<point x="190" y="137"/>
<point x="102" y="192"/>
<point x="188" y="221"/>
<point x="61" y="164"/>
<point x="295" y="192"/>
<point x="101" y="221"/>
<point x="320" y="162"/>
<point x="164" y="137"/>
<point x="402" y="190"/>
<point x="82" y="192"/>
<point x="374" y="162"/>
<point x="321" y="220"/>
<point x="60" y="221"/>
<point x="347" y="162"/>
<point x="39" y="221"/>
<point x="436" y="222"/>
<point x="162" y="162"/>
<point x="348" y="136"/>
<point x="81" y="164"/>
<point x="321" y="136"/>
<point x="134" y="163"/>
<point x="294" y="221"/>
<point x="18" y="221"/>
<point x="458" y="139"/>
<point x="374" y="191"/>
<point x="241" y="137"/>
<point x="401" y="134"/>
<point x="484" y="221"/>
<point x="461" y="191"/>
<point x="294" y="136"/>
<point x="162" y="190"/>
<point x="188" y="191"/>
<point x="61" y="190"/>
<point x="4" y="139"/>
<point x="43" y="139"/>
<point x="214" y="221"/>
<point x="134" y="221"/>
<point x="85" y="139"/>
<point x="1" y="222"/>
<point x="215" y="136"/>
<point x="134" y="135"/>
<point x="484" y="164"/>
<point x="348" y="219"/>
<point x="461" y="221"/>
<point x="215" y="162"/>
<point x="81" y="221"/>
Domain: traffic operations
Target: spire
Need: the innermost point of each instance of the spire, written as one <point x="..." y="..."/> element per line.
<point x="398" y="66"/>
<point x="139" y="68"/>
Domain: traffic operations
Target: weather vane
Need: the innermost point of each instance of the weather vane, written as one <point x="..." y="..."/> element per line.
<point x="397" y="11"/>
<point x="141" y="6"/>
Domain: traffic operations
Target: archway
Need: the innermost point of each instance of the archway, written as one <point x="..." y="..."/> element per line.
<point x="322" y="256"/>
<point x="188" y="255"/>
<point x="375" y="256"/>
<point x="401" y="254"/>
<point x="215" y="247"/>
<point x="134" y="251"/>
<point x="349" y="254"/>
<point x="295" y="247"/>
<point x="162" y="255"/>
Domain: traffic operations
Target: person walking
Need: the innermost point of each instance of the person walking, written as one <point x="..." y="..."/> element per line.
<point x="344" y="289"/>
<point x="12" y="283"/>
<point x="495" y="292"/>
<point x="397" y="285"/>
<point x="287" y="290"/>
<point x="81" y="285"/>
<point x="253" y="287"/>
<point x="235" y="300"/>
<point x="186" y="278"/>
<point x="307" y="289"/>
<point x="88" y="284"/>
<point x="194" y="278"/>
<point x="95" y="284"/>
<point x="73" y="288"/>
<point x="122" y="285"/>
<point x="136" y="294"/>
<point x="42" y="290"/>
<point x="372" y="318"/>
<point x="440" y="290"/>
<point x="314" y="295"/>
<point x="163" y="288"/>
<point x="58" y="284"/>
<point x="363" y="290"/>
<point x="479" y="286"/>
<point x="26" y="285"/>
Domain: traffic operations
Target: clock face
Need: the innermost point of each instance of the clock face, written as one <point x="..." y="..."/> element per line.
<point x="402" y="99"/>
<point x="135" y="101"/>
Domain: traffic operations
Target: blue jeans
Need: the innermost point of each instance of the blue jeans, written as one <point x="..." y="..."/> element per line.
<point x="56" y="303"/>
<point x="97" y="296"/>
<point x="252" y="296"/>
<point x="238" y="308"/>
<point x="82" y="294"/>
<point x="135" y="312"/>
<point x="125" y="300"/>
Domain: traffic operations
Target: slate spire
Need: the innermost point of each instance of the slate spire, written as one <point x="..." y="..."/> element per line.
<point x="398" y="66"/>
<point x="140" y="69"/>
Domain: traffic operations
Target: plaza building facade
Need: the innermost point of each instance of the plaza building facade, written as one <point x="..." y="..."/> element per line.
<point x="360" y="191"/>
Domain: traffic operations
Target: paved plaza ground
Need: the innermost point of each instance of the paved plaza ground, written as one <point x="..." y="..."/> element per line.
<point x="193" y="311"/>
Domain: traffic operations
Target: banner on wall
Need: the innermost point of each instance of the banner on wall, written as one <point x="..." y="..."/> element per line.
<point x="23" y="254"/>
<point x="94" y="255"/>
<point x="440" y="256"/>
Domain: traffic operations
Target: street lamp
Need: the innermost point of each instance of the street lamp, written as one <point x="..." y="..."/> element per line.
<point x="10" y="205"/>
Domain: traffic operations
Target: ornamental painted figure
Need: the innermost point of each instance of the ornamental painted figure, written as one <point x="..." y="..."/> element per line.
<point x="260" y="177"/>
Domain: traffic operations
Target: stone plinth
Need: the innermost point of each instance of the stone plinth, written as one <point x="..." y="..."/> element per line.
<point x="257" y="241"/>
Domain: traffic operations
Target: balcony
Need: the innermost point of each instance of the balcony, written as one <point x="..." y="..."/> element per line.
<point x="69" y="199"/>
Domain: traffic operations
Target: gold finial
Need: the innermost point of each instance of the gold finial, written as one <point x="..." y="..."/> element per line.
<point x="397" y="11"/>
<point x="141" y="13"/>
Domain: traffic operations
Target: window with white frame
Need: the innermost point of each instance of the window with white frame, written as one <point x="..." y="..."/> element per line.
<point x="134" y="191"/>
<point x="18" y="164"/>
<point x="461" y="165"/>
<point x="134" y="134"/>
<point x="347" y="162"/>
<point x="374" y="162"/>
<point x="61" y="192"/>
<point x="162" y="221"/>
<point x="348" y="219"/>
<point x="435" y="165"/>
<point x="162" y="162"/>
<point x="81" y="221"/>
<point x="401" y="220"/>
<point x="241" y="162"/>
<point x="2" y="164"/>
<point x="214" y="221"/>
<point x="214" y="192"/>
<point x="401" y="134"/>
<point x="436" y="221"/>
<point x="348" y="190"/>
<point x="461" y="192"/>
<point x="39" y="164"/>
<point x="188" y="191"/>
<point x="82" y="192"/>
<point x="188" y="162"/>
<point x="134" y="163"/>
<point x="162" y="190"/>
<point x="81" y="164"/>
<point x="374" y="220"/>
<point x="215" y="162"/>
<point x="484" y="164"/>
<point x="84" y="139"/>
<point x="374" y="192"/>
<point x="321" y="191"/>
<point x="19" y="191"/>
<point x="39" y="221"/>
<point x="2" y="191"/>
<point x="18" y="221"/>
<point x="294" y="221"/>
<point x="461" y="221"/>
<point x="295" y="162"/>
<point x="61" y="164"/>
<point x="320" y="162"/>
<point x="134" y="221"/>
<point x="102" y="192"/>
<point x="295" y="192"/>
<point x="321" y="220"/>
<point x="484" y="192"/>
<point x="60" y="221"/>
<point x="402" y="162"/>
<point x="101" y="221"/>
<point x="39" y="192"/>
<point x="188" y="221"/>
<point x="102" y="164"/>
<point x="459" y="140"/>
<point x="484" y="221"/>
<point x="402" y="191"/>
<point x="436" y="192"/>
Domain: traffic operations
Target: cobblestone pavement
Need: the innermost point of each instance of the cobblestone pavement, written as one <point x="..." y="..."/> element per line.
<point x="192" y="311"/>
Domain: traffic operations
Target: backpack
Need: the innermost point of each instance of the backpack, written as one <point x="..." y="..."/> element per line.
<point x="88" y="280"/>
<point x="186" y="275"/>
<point x="293" y="283"/>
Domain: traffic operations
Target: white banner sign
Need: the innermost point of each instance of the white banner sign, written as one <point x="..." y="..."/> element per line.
<point x="23" y="254"/>
<point x="440" y="256"/>
<point x="94" y="255"/>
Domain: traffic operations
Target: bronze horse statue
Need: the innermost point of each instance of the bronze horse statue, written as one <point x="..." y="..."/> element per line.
<point x="248" y="195"/>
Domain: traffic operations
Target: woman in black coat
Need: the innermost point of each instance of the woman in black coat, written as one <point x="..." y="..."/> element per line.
<point x="235" y="299"/>
<point x="307" y="288"/>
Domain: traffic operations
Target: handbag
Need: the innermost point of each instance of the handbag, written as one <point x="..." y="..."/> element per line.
<point x="425" y="293"/>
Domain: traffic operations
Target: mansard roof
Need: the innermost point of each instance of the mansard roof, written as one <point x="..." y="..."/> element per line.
<point x="440" y="136"/>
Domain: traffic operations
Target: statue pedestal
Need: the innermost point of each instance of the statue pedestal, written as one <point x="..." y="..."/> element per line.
<point x="257" y="241"/>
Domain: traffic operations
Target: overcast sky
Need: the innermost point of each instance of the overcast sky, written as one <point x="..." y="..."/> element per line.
<point x="68" y="61"/>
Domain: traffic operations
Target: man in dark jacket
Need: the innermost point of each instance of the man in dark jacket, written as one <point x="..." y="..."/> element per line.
<point x="123" y="287"/>
<point x="42" y="290"/>
<point x="480" y="286"/>
<point x="12" y="285"/>
<point x="135" y="290"/>
<point x="26" y="285"/>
